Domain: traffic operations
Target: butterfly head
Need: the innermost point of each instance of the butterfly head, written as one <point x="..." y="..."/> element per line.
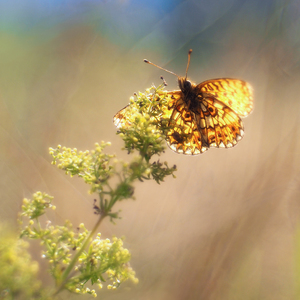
<point x="184" y="84"/>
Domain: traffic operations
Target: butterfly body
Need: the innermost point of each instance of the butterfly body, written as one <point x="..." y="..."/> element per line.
<point x="204" y="115"/>
<point x="189" y="93"/>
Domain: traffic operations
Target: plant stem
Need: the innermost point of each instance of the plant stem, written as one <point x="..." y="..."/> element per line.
<point x="66" y="273"/>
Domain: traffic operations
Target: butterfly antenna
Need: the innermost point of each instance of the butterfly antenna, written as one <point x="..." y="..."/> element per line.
<point x="150" y="63"/>
<point x="188" y="64"/>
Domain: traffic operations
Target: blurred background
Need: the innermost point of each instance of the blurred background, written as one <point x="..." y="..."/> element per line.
<point x="226" y="227"/>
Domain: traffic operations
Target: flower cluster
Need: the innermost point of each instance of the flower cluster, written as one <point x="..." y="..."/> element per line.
<point x="142" y="124"/>
<point x="96" y="262"/>
<point x="95" y="167"/>
<point x="103" y="261"/>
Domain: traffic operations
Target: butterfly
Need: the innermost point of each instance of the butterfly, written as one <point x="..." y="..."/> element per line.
<point x="204" y="115"/>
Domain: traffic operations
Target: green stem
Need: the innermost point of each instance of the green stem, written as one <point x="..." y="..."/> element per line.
<point x="68" y="270"/>
<point x="111" y="203"/>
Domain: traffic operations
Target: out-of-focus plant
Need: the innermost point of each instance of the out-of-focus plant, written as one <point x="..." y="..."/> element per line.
<point x="18" y="272"/>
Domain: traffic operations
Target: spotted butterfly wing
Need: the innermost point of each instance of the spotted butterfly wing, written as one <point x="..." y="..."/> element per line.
<point x="122" y="117"/>
<point x="235" y="93"/>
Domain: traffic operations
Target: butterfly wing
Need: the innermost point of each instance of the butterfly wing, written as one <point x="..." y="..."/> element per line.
<point x="235" y="93"/>
<point x="183" y="135"/>
<point x="123" y="117"/>
<point x="219" y="125"/>
<point x="212" y="124"/>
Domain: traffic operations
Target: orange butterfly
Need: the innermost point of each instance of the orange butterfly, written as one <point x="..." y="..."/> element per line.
<point x="204" y="115"/>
